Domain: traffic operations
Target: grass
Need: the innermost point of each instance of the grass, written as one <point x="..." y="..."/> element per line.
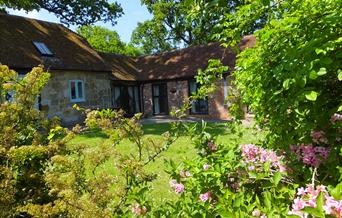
<point x="179" y="151"/>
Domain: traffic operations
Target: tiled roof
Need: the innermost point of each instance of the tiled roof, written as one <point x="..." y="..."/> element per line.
<point x="70" y="51"/>
<point x="183" y="63"/>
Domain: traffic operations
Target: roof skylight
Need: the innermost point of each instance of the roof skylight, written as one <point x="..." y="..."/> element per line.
<point x="42" y="48"/>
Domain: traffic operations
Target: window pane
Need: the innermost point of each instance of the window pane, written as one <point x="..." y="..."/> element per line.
<point x="193" y="87"/>
<point x="80" y="90"/>
<point x="199" y="106"/>
<point x="193" y="107"/>
<point x="156" y="105"/>
<point x="162" y="90"/>
<point x="73" y="90"/>
<point x="203" y="106"/>
<point x="117" y="96"/>
<point x="156" y="90"/>
<point x="42" y="48"/>
<point x="137" y="99"/>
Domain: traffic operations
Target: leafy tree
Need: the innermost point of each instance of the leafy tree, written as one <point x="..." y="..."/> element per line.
<point x="152" y="38"/>
<point x="71" y="11"/>
<point x="105" y="40"/>
<point x="181" y="23"/>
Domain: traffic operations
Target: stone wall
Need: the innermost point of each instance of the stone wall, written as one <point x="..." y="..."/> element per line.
<point x="55" y="97"/>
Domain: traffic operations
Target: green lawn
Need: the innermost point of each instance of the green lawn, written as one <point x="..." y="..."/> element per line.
<point x="181" y="150"/>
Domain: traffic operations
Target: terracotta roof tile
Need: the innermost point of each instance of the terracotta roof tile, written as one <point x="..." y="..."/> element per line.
<point x="70" y="51"/>
<point x="175" y="64"/>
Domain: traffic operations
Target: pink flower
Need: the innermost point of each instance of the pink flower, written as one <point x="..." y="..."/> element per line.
<point x="139" y="210"/>
<point x="298" y="204"/>
<point x="212" y="146"/>
<point x="256" y="213"/>
<point x="254" y="154"/>
<point x="177" y="187"/>
<point x="335" y="118"/>
<point x="319" y="137"/>
<point x="310" y="155"/>
<point x="206" y="167"/>
<point x="249" y="151"/>
<point x="308" y="198"/>
<point x="301" y="191"/>
<point x="184" y="174"/>
<point x="205" y="197"/>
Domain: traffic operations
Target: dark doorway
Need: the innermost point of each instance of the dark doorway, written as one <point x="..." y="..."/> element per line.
<point x="159" y="94"/>
<point x="126" y="98"/>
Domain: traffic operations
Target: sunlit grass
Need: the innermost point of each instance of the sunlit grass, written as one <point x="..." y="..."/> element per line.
<point x="182" y="149"/>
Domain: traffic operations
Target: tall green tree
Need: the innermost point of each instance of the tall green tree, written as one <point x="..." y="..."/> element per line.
<point x="152" y="38"/>
<point x="105" y="40"/>
<point x="181" y="23"/>
<point x="73" y="12"/>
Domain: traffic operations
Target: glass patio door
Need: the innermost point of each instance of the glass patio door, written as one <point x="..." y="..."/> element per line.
<point x="159" y="93"/>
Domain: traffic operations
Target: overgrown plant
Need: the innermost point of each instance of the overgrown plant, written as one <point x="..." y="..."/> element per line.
<point x="24" y="147"/>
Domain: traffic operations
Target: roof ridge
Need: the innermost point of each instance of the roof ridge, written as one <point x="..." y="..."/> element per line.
<point x="178" y="50"/>
<point x="29" y="18"/>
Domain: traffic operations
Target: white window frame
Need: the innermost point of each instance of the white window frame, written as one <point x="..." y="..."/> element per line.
<point x="77" y="99"/>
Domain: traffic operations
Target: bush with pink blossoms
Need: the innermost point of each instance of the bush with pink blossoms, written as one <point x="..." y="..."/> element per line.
<point x="319" y="137"/>
<point x="311" y="155"/>
<point x="255" y="155"/>
<point x="311" y="200"/>
<point x="222" y="185"/>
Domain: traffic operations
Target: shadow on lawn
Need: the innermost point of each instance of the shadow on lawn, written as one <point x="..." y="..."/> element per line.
<point x="160" y="128"/>
<point x="95" y="134"/>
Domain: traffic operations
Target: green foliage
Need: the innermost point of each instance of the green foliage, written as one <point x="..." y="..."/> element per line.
<point x="151" y="38"/>
<point x="71" y="11"/>
<point x="181" y="23"/>
<point x="291" y="76"/>
<point x="236" y="190"/>
<point x="105" y="40"/>
<point x="207" y="78"/>
<point x="291" y="80"/>
<point x="23" y="142"/>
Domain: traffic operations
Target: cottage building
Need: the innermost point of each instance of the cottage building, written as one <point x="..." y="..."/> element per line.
<point x="150" y="84"/>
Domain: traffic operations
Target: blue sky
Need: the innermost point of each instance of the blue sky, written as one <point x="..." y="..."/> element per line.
<point x="134" y="13"/>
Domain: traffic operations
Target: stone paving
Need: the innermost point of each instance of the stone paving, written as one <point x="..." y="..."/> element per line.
<point x="168" y="119"/>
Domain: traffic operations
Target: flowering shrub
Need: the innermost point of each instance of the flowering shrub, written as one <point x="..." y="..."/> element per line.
<point x="221" y="182"/>
<point x="310" y="155"/>
<point x="255" y="155"/>
<point x="316" y="201"/>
